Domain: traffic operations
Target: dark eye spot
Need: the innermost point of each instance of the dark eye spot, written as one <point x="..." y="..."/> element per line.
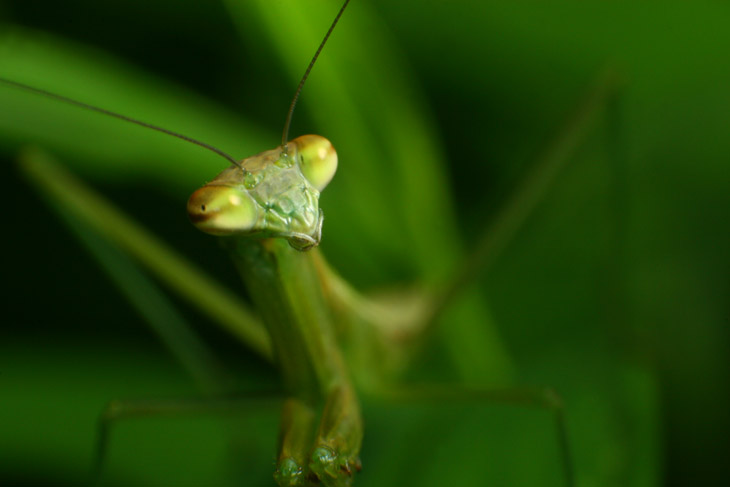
<point x="202" y="207"/>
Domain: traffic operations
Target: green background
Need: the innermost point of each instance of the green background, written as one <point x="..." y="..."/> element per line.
<point x="615" y="291"/>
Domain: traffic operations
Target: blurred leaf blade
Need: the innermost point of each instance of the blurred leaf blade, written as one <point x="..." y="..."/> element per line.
<point x="70" y="195"/>
<point x="104" y="147"/>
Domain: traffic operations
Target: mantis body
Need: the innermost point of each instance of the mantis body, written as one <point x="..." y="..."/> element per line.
<point x="318" y="389"/>
<point x="268" y="208"/>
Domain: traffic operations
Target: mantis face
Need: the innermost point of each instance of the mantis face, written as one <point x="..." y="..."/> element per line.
<point x="272" y="194"/>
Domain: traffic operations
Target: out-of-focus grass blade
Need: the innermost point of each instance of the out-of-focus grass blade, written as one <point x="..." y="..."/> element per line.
<point x="63" y="189"/>
<point x="157" y="310"/>
<point x="101" y="146"/>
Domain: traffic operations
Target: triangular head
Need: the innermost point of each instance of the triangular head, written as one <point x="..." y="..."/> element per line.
<point x="272" y="194"/>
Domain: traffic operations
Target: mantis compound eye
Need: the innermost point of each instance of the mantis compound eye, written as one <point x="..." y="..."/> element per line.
<point x="222" y="210"/>
<point x="317" y="159"/>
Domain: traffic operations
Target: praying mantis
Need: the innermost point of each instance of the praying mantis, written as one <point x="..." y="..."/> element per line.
<point x="475" y="352"/>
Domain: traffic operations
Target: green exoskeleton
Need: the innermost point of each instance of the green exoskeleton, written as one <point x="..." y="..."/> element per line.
<point x="266" y="210"/>
<point x="274" y="194"/>
<point x="267" y="207"/>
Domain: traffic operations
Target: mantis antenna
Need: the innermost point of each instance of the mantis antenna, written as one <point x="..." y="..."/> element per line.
<point x="211" y="148"/>
<point x="71" y="101"/>
<point x="290" y="113"/>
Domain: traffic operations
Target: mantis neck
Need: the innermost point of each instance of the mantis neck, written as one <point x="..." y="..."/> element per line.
<point x="286" y="289"/>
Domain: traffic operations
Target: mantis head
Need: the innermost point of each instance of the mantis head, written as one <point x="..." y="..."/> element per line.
<point x="272" y="194"/>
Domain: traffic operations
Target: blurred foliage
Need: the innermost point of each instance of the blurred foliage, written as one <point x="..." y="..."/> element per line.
<point x="615" y="292"/>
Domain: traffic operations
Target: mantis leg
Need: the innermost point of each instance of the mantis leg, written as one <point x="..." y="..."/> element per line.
<point x="297" y="427"/>
<point x="71" y="197"/>
<point x="118" y="410"/>
<point x="497" y="236"/>
<point x="159" y="312"/>
<point x="119" y="245"/>
<point x="412" y="315"/>
<point x="543" y="398"/>
<point x="335" y="454"/>
<point x="599" y="102"/>
<point x="328" y="456"/>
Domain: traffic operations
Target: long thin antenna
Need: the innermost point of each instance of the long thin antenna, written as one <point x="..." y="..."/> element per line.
<point x="86" y="106"/>
<point x="287" y="124"/>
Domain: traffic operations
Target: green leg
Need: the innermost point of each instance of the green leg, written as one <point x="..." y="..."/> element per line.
<point x="335" y="458"/>
<point x="327" y="457"/>
<point x="160" y="313"/>
<point x="285" y="286"/>
<point x="118" y="410"/>
<point x="412" y="316"/>
<point x="601" y="102"/>
<point x="508" y="221"/>
<point x="74" y="200"/>
<point x="544" y="398"/>
<point x="295" y="438"/>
